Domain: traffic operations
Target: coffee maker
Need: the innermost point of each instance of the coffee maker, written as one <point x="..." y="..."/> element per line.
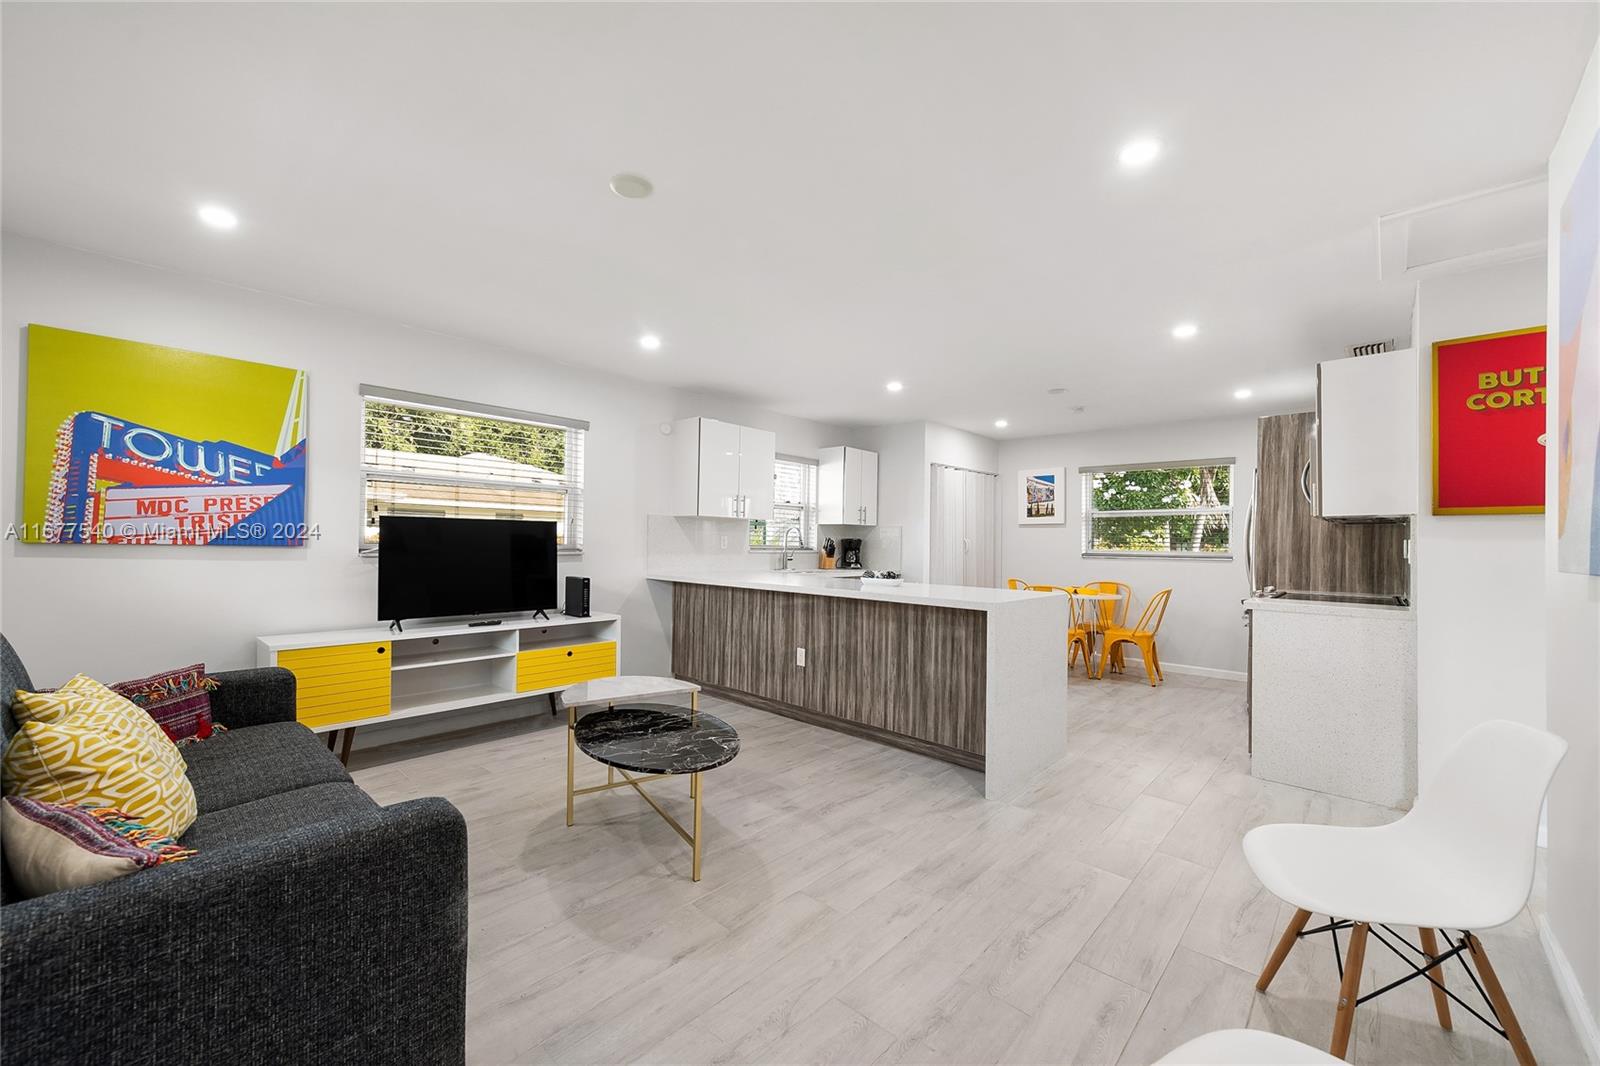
<point x="849" y="554"/>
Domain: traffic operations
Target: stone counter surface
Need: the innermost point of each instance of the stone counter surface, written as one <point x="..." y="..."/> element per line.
<point x="960" y="597"/>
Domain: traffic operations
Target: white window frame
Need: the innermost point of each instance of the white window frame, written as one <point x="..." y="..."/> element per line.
<point x="571" y="489"/>
<point x="1088" y="474"/>
<point x="808" y="528"/>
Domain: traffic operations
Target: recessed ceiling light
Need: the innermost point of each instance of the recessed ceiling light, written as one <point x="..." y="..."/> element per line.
<point x="895" y="386"/>
<point x="217" y="217"/>
<point x="1184" y="330"/>
<point x="631" y="186"/>
<point x="1139" y="153"/>
<point x="650" y="342"/>
<point x="1241" y="394"/>
<point x="1001" y="423"/>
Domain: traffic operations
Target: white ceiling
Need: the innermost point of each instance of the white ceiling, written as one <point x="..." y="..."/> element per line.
<point x="845" y="193"/>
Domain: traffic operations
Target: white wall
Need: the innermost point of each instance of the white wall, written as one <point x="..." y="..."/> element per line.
<point x="1478" y="578"/>
<point x="905" y="452"/>
<point x="1572" y="659"/>
<point x="121" y="611"/>
<point x="1204" y="626"/>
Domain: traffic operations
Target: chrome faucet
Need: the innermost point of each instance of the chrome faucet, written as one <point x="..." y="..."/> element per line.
<point x="788" y="556"/>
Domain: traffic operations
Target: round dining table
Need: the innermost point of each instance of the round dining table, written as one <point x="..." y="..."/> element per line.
<point x="1099" y="624"/>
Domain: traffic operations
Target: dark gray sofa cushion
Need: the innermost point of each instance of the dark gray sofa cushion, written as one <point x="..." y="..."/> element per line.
<point x="13" y="675"/>
<point x="242" y="765"/>
<point x="273" y="816"/>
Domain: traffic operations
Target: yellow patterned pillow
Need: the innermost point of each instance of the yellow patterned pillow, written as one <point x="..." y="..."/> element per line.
<point x="88" y="702"/>
<point x="78" y="746"/>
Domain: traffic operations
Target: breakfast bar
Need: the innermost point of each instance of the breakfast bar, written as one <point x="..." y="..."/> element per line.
<point x="974" y="676"/>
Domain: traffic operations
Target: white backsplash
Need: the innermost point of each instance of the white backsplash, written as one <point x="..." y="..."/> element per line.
<point x="675" y="545"/>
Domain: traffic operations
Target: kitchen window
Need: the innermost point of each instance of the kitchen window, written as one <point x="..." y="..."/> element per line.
<point x="429" y="456"/>
<point x="1169" y="510"/>
<point x="794" y="503"/>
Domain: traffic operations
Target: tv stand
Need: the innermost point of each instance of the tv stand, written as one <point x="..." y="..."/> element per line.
<point x="540" y="613"/>
<point x="396" y="627"/>
<point x="368" y="675"/>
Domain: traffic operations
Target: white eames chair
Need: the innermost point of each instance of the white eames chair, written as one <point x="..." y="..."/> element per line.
<point x="1462" y="859"/>
<point x="1244" y="1047"/>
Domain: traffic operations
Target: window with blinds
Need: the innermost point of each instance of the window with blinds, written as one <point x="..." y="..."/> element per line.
<point x="1179" y="510"/>
<point x="794" y="504"/>
<point x="427" y="456"/>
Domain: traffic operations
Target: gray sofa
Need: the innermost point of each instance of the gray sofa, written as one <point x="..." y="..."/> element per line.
<point x="314" y="926"/>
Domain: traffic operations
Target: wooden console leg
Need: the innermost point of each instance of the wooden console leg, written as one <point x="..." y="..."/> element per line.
<point x="1290" y="934"/>
<point x="1441" y="1002"/>
<point x="1349" y="991"/>
<point x="1502" y="1005"/>
<point x="344" y="746"/>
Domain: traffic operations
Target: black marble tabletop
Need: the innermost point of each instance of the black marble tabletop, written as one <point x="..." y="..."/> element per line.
<point x="657" y="739"/>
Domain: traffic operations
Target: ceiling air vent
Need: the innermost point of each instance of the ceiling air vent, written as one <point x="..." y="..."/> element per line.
<point x="1374" y="347"/>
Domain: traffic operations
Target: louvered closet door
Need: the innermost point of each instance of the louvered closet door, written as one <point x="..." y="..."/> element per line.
<point x="964" y="520"/>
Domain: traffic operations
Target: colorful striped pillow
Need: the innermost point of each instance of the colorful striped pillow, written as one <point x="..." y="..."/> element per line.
<point x="179" y="700"/>
<point x="52" y="846"/>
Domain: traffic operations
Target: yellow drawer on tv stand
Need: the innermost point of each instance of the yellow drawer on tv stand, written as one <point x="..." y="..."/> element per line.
<point x="340" y="682"/>
<point x="565" y="664"/>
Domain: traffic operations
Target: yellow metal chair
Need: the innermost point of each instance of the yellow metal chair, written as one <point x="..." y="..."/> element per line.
<point x="1016" y="583"/>
<point x="1113" y="615"/>
<point x="1080" y="636"/>
<point x="1141" y="635"/>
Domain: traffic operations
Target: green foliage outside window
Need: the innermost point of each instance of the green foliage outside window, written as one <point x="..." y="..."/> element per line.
<point x="1186" y="493"/>
<point x="424" y="432"/>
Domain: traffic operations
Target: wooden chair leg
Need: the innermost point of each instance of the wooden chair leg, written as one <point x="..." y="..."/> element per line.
<point x="1349" y="991"/>
<point x="1441" y="1002"/>
<point x="1502" y="1006"/>
<point x="1290" y="934"/>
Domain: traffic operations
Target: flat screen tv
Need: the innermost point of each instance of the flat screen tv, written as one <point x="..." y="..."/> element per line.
<point x="436" y="567"/>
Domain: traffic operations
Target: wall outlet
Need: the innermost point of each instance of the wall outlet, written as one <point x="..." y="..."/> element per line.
<point x="799" y="656"/>
<point x="724" y="539"/>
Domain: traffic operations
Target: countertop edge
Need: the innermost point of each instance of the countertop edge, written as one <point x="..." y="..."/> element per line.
<point x="955" y="597"/>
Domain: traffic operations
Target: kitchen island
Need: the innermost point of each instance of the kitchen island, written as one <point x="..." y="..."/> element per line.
<point x="974" y="676"/>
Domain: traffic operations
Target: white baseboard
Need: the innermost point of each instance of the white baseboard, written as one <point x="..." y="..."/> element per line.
<point x="1183" y="668"/>
<point x="1202" y="671"/>
<point x="1583" y="1019"/>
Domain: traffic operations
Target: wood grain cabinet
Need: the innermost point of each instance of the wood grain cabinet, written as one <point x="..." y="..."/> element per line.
<point x="339" y="683"/>
<point x="905" y="674"/>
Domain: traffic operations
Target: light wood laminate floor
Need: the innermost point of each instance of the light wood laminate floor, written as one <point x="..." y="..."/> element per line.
<point x="863" y="904"/>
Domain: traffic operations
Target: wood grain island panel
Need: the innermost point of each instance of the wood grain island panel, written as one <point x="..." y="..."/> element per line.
<point x="906" y="674"/>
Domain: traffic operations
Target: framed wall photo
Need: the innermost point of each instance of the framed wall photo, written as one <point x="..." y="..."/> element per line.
<point x="1577" y="420"/>
<point x="130" y="443"/>
<point x="1039" y="499"/>
<point x="1489" y="423"/>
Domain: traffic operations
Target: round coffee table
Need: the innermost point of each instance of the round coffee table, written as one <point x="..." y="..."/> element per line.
<point x="657" y="741"/>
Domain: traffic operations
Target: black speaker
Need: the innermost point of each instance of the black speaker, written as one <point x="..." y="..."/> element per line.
<point x="577" y="597"/>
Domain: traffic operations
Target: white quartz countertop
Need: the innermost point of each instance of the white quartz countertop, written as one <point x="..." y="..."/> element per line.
<point x="1333" y="607"/>
<point x="961" y="597"/>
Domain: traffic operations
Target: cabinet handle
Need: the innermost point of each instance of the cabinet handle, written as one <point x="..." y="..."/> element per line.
<point x="569" y="653"/>
<point x="380" y="649"/>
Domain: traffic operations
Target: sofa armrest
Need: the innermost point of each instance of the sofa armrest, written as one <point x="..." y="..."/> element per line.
<point x="253" y="697"/>
<point x="343" y="941"/>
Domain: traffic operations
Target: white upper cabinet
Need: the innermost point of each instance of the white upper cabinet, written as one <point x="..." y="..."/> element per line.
<point x="847" y="487"/>
<point x="758" y="454"/>
<point x="722" y="470"/>
<point x="1368" y="434"/>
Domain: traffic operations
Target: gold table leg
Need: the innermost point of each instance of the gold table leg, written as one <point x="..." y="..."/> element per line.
<point x="694" y="786"/>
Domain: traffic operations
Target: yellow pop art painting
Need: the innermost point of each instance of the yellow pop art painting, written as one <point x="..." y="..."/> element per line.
<point x="130" y="443"/>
